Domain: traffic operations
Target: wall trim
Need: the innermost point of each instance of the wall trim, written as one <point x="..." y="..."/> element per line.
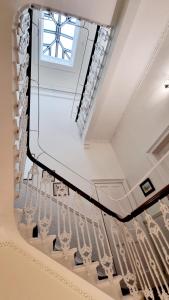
<point x="44" y="91"/>
<point x="158" y="141"/>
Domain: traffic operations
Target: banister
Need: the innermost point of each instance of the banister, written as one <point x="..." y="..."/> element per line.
<point x="147" y="204"/>
<point x="88" y="70"/>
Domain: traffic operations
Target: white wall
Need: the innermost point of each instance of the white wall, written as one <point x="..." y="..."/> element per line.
<point x="58" y="131"/>
<point x="59" y="137"/>
<point x="145" y="119"/>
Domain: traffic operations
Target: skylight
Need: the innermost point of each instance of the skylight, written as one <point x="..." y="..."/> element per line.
<point x="58" y="37"/>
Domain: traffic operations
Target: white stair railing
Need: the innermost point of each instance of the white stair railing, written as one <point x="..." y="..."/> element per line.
<point x="96" y="68"/>
<point x="141" y="249"/>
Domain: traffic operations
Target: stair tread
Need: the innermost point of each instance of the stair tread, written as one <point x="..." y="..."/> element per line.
<point x="81" y="268"/>
<point x="60" y="254"/>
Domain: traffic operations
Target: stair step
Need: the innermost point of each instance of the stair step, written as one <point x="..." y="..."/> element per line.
<point x="26" y="230"/>
<point x="140" y="296"/>
<point x="88" y="273"/>
<point x="111" y="287"/>
<point x="65" y="259"/>
<point x="45" y="245"/>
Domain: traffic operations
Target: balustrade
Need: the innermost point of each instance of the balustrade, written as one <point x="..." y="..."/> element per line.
<point x="98" y="60"/>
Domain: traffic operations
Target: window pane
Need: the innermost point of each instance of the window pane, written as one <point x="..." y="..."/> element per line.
<point x="59" y="51"/>
<point x="55" y="17"/>
<point x="63" y="19"/>
<point x="48" y="38"/>
<point x="74" y="20"/>
<point x="53" y="50"/>
<point x="66" y="43"/>
<point x="68" y="29"/>
<point x="50" y="25"/>
<point x="46" y="15"/>
<point x="54" y="23"/>
<point x="46" y="53"/>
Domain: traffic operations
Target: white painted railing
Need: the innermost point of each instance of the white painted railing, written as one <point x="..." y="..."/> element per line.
<point x="137" y="251"/>
<point x="95" y="72"/>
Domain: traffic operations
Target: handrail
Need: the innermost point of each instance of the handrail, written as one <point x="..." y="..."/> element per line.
<point x="151" y="201"/>
<point x="88" y="70"/>
<point x="147" y="204"/>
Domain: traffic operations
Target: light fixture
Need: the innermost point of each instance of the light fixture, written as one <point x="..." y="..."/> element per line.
<point x="166" y="84"/>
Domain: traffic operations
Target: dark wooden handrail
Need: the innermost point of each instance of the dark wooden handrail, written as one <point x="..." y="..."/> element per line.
<point x="147" y="204"/>
<point x="88" y="71"/>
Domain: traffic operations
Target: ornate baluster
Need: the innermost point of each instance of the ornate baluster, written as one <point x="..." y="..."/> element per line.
<point x="65" y="235"/>
<point x="165" y="213"/>
<point x="22" y="154"/>
<point x="151" y="261"/>
<point x="159" y="240"/>
<point x="106" y="260"/>
<point x="44" y="220"/>
<point x="123" y="260"/>
<point x="85" y="250"/>
<point x="76" y="228"/>
<point x="29" y="207"/>
<point x="138" y="265"/>
<point x="94" y="74"/>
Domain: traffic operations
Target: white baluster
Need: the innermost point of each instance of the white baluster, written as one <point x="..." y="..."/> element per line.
<point x="165" y="213"/>
<point x="151" y="261"/>
<point x="94" y="75"/>
<point x="106" y="260"/>
<point x="65" y="236"/>
<point x="85" y="250"/>
<point x="129" y="278"/>
<point x="44" y="221"/>
<point x="138" y="265"/>
<point x="159" y="240"/>
<point x="29" y="208"/>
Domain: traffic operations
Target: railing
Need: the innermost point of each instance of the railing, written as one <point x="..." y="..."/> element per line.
<point x="138" y="250"/>
<point x="88" y="72"/>
<point x="94" y="73"/>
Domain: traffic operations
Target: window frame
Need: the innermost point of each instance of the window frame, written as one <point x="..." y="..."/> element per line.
<point x="55" y="60"/>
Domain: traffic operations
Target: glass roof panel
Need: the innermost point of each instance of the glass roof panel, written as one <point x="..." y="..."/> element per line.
<point x="53" y="50"/>
<point x="59" y="52"/>
<point x="56" y="17"/>
<point x="63" y="18"/>
<point x="49" y="24"/>
<point x="58" y="35"/>
<point x="66" y="43"/>
<point x="68" y="29"/>
<point x="48" y="38"/>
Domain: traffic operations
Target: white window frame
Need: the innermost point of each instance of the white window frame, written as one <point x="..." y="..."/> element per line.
<point x="58" y="61"/>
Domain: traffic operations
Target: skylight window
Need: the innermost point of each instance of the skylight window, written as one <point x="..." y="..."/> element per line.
<point x="59" y="34"/>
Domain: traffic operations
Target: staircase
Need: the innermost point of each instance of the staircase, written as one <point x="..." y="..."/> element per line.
<point x="65" y="234"/>
<point x="69" y="226"/>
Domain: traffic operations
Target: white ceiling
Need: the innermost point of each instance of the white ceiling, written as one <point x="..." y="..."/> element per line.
<point x="137" y="41"/>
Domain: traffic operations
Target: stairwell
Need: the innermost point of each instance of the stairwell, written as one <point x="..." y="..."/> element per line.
<point x="136" y="257"/>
